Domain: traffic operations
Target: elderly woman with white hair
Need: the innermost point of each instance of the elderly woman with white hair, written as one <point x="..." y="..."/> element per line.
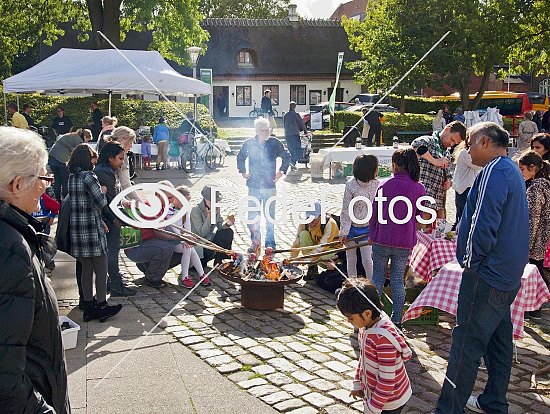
<point x="32" y="362"/>
<point x="126" y="137"/>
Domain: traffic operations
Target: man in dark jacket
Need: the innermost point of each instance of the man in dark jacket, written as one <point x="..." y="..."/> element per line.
<point x="262" y="152"/>
<point x="95" y="123"/>
<point x="493" y="249"/>
<point x="267" y="108"/>
<point x="375" y="130"/>
<point x="293" y="125"/>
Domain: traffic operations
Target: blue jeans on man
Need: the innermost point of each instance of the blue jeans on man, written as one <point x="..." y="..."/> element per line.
<point x="483" y="329"/>
<point x="262" y="195"/>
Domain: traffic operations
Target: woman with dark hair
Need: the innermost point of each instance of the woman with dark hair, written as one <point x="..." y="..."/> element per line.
<point x="59" y="155"/>
<point x="87" y="231"/>
<point x="363" y="184"/>
<point x="109" y="162"/>
<point x="391" y="237"/>
<point x="32" y="360"/>
<point x="536" y="172"/>
<point x="541" y="143"/>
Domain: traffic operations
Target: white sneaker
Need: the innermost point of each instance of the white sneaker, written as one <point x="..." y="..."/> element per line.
<point x="473" y="405"/>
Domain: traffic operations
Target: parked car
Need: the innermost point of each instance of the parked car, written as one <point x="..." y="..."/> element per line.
<point x="371" y="99"/>
<point x="379" y="108"/>
<point x="338" y="106"/>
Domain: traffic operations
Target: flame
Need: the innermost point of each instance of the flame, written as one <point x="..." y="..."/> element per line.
<point x="273" y="271"/>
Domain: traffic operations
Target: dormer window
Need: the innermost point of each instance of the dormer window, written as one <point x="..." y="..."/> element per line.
<point x="245" y="58"/>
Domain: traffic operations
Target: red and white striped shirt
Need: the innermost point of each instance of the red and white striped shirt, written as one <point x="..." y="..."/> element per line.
<point x="381" y="373"/>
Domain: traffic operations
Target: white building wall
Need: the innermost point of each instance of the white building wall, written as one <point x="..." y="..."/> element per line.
<point x="350" y="90"/>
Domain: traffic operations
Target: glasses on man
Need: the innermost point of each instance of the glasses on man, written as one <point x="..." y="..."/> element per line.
<point x="46" y="178"/>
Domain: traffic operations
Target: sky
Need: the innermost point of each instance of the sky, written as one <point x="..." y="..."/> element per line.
<point x="318" y="9"/>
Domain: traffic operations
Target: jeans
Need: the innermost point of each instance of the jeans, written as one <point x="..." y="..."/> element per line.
<point x="294" y="146"/>
<point x="61" y="178"/>
<point x="483" y="329"/>
<point x="380" y="256"/>
<point x="113" y="247"/>
<point x="262" y="195"/>
<point x="155" y="256"/>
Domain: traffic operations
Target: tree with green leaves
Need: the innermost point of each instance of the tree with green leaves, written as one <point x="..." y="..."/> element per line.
<point x="530" y="51"/>
<point x="390" y="44"/>
<point x="251" y="9"/>
<point x="397" y="33"/>
<point x="174" y="25"/>
<point x="24" y="23"/>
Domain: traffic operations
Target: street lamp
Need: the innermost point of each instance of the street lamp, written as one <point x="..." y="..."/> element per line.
<point x="194" y="55"/>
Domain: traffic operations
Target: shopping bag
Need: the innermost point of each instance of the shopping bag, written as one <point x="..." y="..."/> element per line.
<point x="546" y="262"/>
<point x="62" y="234"/>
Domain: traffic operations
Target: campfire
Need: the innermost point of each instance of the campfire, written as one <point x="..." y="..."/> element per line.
<point x="264" y="269"/>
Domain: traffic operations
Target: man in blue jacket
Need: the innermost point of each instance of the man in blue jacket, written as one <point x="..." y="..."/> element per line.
<point x="493" y="248"/>
<point x="262" y="152"/>
<point x="161" y="135"/>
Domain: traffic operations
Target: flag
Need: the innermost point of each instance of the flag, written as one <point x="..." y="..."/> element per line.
<point x="333" y="95"/>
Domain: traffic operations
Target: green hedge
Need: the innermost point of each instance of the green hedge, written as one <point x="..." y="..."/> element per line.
<point x="417" y="105"/>
<point x="131" y="113"/>
<point x="394" y="122"/>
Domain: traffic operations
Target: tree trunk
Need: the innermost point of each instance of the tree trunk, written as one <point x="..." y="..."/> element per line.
<point x="402" y="104"/>
<point x="484" y="82"/>
<point x="95" y="10"/>
<point x="465" y="95"/>
<point x="111" y="22"/>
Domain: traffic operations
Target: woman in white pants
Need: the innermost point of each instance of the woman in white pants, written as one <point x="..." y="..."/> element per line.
<point x="189" y="254"/>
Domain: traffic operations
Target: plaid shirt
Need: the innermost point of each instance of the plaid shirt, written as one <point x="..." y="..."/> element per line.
<point x="431" y="176"/>
<point x="86" y="227"/>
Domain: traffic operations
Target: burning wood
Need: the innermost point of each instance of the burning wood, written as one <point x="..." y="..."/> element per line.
<point x="265" y="269"/>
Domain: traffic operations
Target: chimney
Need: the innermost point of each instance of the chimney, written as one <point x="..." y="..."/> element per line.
<point x="292" y="16"/>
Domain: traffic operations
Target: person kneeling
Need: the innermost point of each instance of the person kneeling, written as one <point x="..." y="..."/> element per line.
<point x="314" y="234"/>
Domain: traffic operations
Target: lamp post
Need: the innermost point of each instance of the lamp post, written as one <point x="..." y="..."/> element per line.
<point x="194" y="55"/>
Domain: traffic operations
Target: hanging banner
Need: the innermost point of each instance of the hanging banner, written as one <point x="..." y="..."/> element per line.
<point x="333" y="95"/>
<point x="206" y="77"/>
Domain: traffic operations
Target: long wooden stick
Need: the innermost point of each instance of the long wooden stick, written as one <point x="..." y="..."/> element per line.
<point x="333" y="243"/>
<point x="195" y="243"/>
<point x="342" y="249"/>
<point x="202" y="239"/>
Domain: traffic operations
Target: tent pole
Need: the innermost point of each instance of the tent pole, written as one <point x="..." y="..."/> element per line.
<point x="17" y="97"/>
<point x="110" y="96"/>
<point x="5" y="111"/>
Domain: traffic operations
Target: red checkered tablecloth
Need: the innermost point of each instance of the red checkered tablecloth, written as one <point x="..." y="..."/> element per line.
<point x="442" y="293"/>
<point x="430" y="254"/>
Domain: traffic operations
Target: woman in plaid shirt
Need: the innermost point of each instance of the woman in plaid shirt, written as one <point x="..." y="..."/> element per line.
<point x="87" y="232"/>
<point x="434" y="162"/>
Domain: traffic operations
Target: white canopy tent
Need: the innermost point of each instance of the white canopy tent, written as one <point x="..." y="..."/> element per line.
<point x="104" y="71"/>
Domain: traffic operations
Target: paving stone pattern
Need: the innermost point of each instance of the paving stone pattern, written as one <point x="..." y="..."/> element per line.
<point x="302" y="358"/>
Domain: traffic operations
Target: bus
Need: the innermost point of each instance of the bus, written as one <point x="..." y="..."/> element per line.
<point x="510" y="104"/>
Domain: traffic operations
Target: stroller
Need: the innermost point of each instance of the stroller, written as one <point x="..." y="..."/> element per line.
<point x="305" y="139"/>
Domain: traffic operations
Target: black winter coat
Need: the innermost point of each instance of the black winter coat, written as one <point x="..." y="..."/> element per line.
<point x="33" y="376"/>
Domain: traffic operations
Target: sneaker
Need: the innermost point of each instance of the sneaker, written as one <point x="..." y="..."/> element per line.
<point x="206" y="281"/>
<point x="186" y="282"/>
<point x="536" y="314"/>
<point x="293" y="167"/>
<point x="122" y="291"/>
<point x="159" y="285"/>
<point x="473" y="405"/>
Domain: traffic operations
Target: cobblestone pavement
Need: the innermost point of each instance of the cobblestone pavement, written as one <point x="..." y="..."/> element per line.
<point x="302" y="358"/>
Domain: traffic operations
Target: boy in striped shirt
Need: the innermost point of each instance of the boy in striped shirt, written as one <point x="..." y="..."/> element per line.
<point x="381" y="379"/>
